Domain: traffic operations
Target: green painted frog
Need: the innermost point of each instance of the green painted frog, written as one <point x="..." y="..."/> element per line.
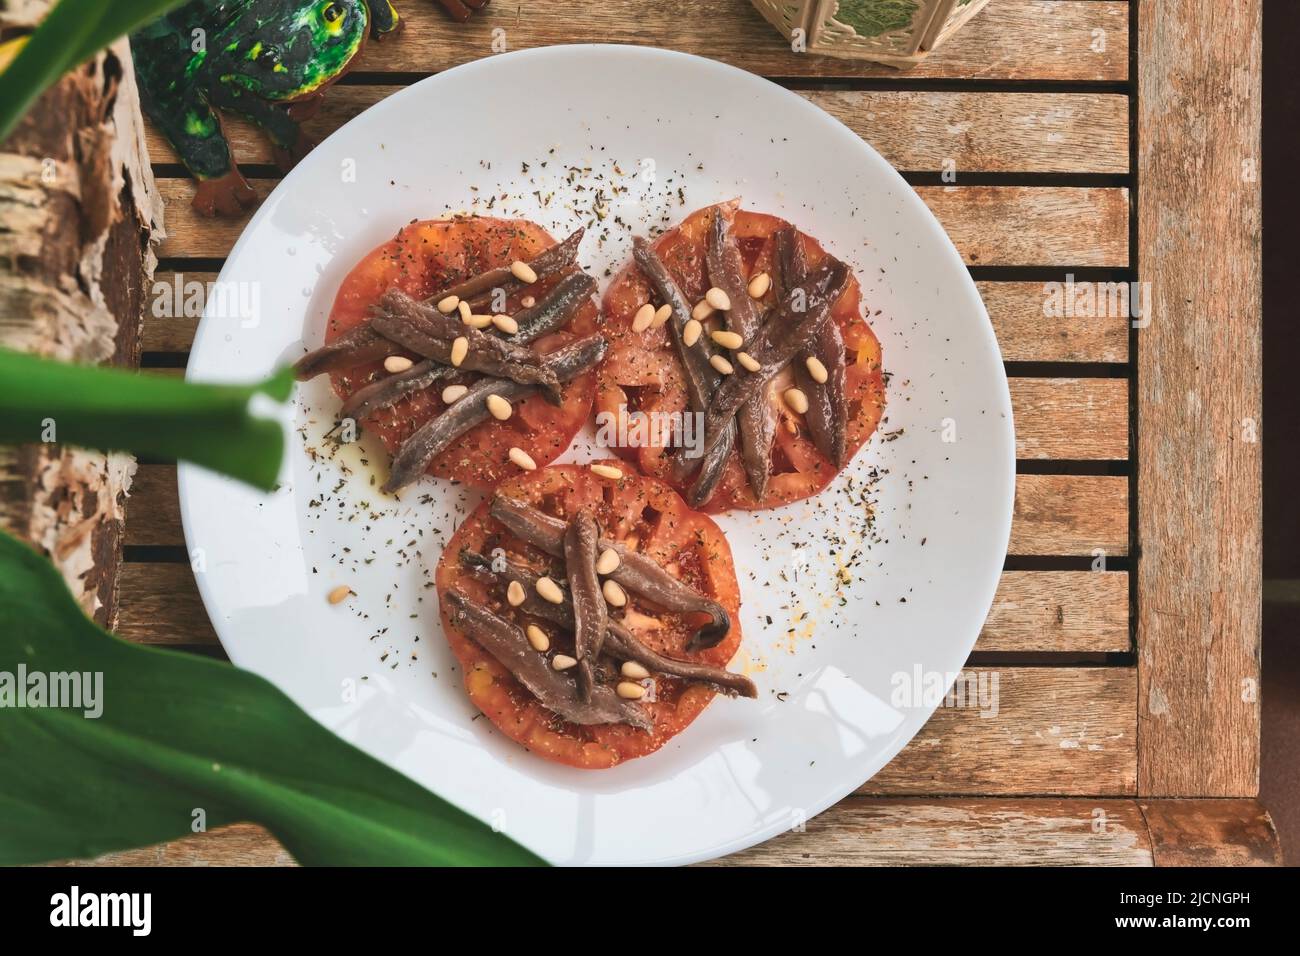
<point x="267" y="60"/>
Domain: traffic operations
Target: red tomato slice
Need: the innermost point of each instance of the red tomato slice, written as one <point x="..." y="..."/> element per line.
<point x="421" y="259"/>
<point x="643" y="513"/>
<point x="641" y="372"/>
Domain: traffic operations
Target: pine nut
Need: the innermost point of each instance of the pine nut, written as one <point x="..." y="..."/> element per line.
<point x="515" y="594"/>
<point x="608" y="561"/>
<point x="633" y="671"/>
<point x="339" y="594"/>
<point x="662" y="315"/>
<point x="796" y="399"/>
<point x="607" y="471"/>
<point x="464" y="310"/>
<point x="523" y="272"/>
<point x="454" y="393"/>
<point x="448" y="305"/>
<point x="721" y="365"/>
<point x="459" y="349"/>
<point x="549" y="591"/>
<point x="728" y="340"/>
<point x="506" y="324"/>
<point x="397" y="363"/>
<point x="528" y="302"/>
<point x="562" y="662"/>
<point x="748" y="362"/>
<point x="817" y="370"/>
<point x="644" y="316"/>
<point x="537" y="637"/>
<point x="759" y="285"/>
<point x="691" y="332"/>
<point x="478" y="321"/>
<point x="523" y="459"/>
<point x="701" y="311"/>
<point x="629" y="691"/>
<point x="614" y="594"/>
<point x="499" y="407"/>
<point x="718" y="299"/>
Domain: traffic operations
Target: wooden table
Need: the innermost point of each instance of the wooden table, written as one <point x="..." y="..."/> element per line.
<point x="1094" y="138"/>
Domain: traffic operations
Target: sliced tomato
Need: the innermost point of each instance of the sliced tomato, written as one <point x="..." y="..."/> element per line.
<point x="641" y="373"/>
<point x="423" y="258"/>
<point x="643" y="513"/>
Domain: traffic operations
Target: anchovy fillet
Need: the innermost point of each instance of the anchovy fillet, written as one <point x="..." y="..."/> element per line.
<point x="619" y="643"/>
<point x="390" y="389"/>
<point x="554" y="689"/>
<point x="471" y="409"/>
<point x="635" y="572"/>
<point x="701" y="377"/>
<point x="756" y="420"/>
<point x="550" y="261"/>
<point x="354" y="347"/>
<point x="590" y="612"/>
<point x="827" y="415"/>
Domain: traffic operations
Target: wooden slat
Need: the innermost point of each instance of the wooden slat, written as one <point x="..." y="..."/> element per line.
<point x="1016" y="308"/>
<point x="1055" y="730"/>
<point x="990" y="225"/>
<point x="977" y="132"/>
<point x="1025" y="334"/>
<point x="1078" y="611"/>
<point x="1011" y="39"/>
<point x="1211" y="833"/>
<point x="961" y="832"/>
<point x="1065" y="515"/>
<point x="883" y="831"/>
<point x="1054" y="514"/>
<point x="1199" y="439"/>
<point x="1070" y="418"/>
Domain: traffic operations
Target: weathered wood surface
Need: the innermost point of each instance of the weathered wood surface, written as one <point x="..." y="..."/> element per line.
<point x="1011" y="39"/>
<point x="976" y="132"/>
<point x="1199" y="424"/>
<point x="946" y="831"/>
<point x="990" y="225"/>
<point x="1054" y="730"/>
<point x="1063" y="611"/>
<point x="77" y="206"/>
<point x="1054" y="514"/>
<point x="1070" y="418"/>
<point x="1025" y="333"/>
<point x="1211" y="833"/>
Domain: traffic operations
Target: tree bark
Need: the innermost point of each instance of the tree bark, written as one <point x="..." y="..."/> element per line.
<point x="79" y="213"/>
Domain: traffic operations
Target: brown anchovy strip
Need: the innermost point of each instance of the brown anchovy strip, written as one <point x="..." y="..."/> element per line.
<point x="555" y="690"/>
<point x="701" y="377"/>
<point x="756" y="420"/>
<point x="635" y="572"/>
<point x="783" y="336"/>
<point x="590" y="612"/>
<point x="436" y="434"/>
<point x="424" y="330"/>
<point x="553" y="310"/>
<point x="827" y="415"/>
<point x="391" y="388"/>
<point x="619" y="641"/>
<point x="354" y="347"/>
<point x="545" y="264"/>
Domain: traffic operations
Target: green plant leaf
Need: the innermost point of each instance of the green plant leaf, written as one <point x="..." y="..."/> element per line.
<point x="180" y="733"/>
<point x="117" y="410"/>
<point x="71" y="33"/>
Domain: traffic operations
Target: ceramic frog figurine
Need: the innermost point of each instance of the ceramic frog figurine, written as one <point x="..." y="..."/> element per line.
<point x="267" y="60"/>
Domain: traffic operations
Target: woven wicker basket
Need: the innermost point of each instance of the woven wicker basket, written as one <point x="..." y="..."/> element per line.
<point x="898" y="33"/>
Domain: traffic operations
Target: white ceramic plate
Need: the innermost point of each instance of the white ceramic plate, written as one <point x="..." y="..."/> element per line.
<point x="843" y="669"/>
